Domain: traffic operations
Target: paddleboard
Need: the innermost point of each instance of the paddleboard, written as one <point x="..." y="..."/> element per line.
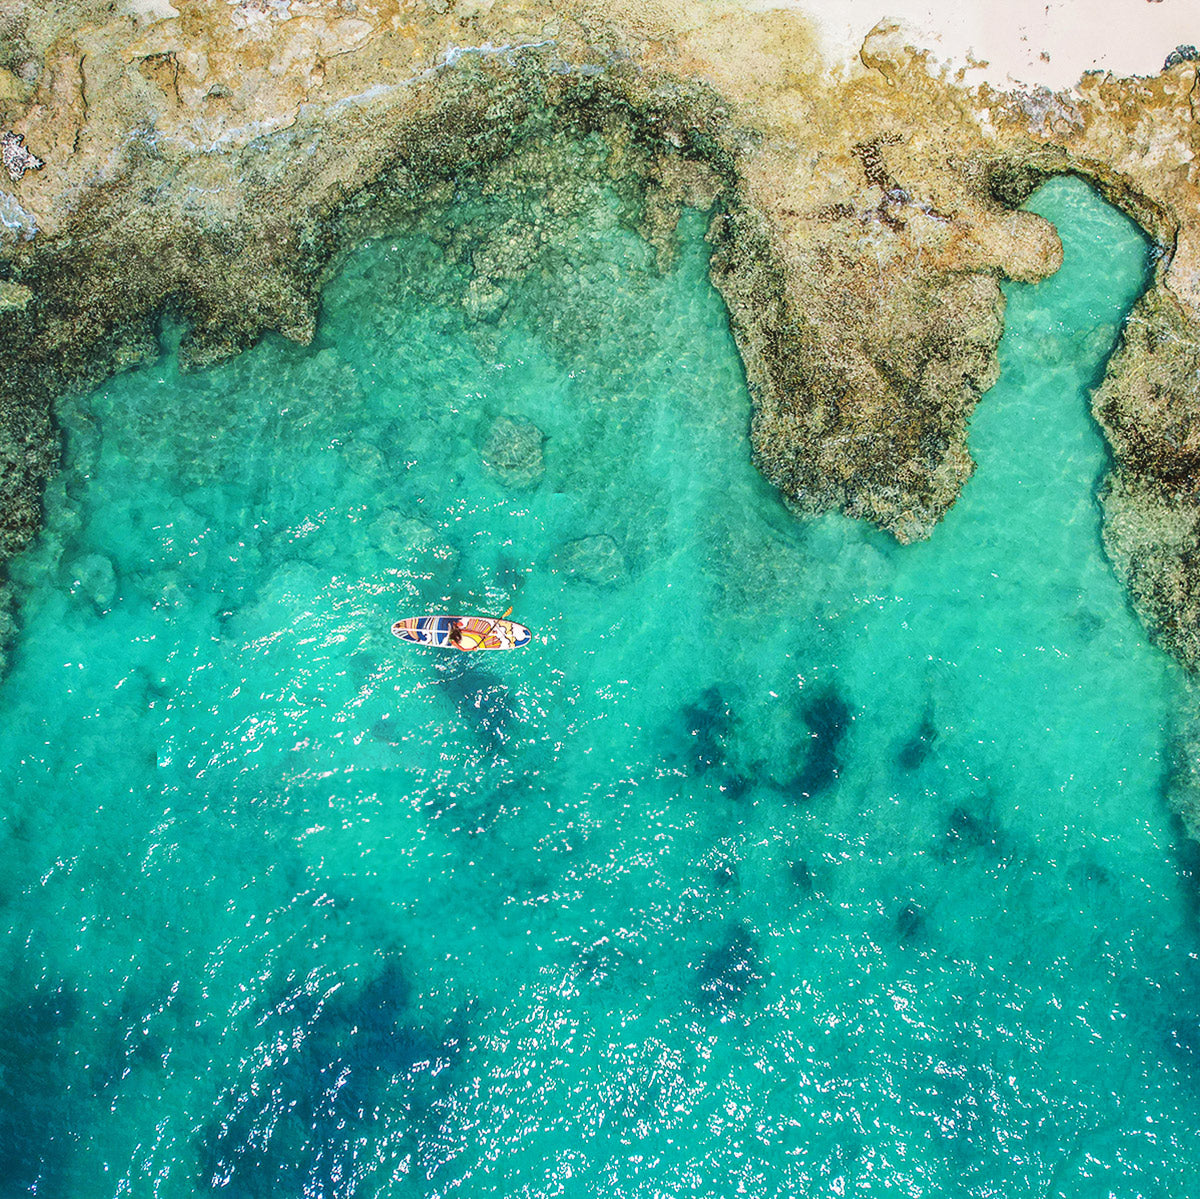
<point x="478" y="632"/>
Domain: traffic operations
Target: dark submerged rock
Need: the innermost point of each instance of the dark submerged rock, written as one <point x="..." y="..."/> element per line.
<point x="800" y="876"/>
<point x="1093" y="883"/>
<point x="704" y="729"/>
<point x="603" y="962"/>
<point x="1177" y="1020"/>
<point x="1183" y="1039"/>
<point x="38" y="1122"/>
<point x="737" y="786"/>
<point x="472" y="810"/>
<point x="352" y="1052"/>
<point x="596" y="559"/>
<point x="971" y="829"/>
<point x="910" y="922"/>
<point x="730" y="971"/>
<point x="388" y="730"/>
<point x="481" y="700"/>
<point x="510" y="576"/>
<point x="919" y="746"/>
<point x="725" y="877"/>
<point x="93" y="578"/>
<point x="828" y="717"/>
<point x="1187" y="857"/>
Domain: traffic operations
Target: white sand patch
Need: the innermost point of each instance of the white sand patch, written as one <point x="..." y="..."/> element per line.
<point x="1050" y="42"/>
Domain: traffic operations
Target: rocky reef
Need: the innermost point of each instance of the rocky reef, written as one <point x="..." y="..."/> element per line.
<point x="211" y="162"/>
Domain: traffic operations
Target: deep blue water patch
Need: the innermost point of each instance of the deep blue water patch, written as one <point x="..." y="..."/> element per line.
<point x="785" y="859"/>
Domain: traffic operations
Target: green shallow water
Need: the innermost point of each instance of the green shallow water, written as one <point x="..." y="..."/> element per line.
<point x="785" y="860"/>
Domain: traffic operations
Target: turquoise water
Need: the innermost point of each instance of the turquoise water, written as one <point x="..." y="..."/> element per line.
<point x="786" y="860"/>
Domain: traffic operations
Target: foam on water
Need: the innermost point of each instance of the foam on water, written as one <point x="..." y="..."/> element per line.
<point x="785" y="859"/>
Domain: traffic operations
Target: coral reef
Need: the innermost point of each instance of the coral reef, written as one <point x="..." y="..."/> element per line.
<point x="212" y="161"/>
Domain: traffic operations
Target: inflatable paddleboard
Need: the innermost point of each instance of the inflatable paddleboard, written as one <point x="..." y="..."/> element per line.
<point x="478" y="632"/>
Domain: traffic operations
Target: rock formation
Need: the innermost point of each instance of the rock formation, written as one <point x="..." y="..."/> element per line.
<point x="211" y="161"/>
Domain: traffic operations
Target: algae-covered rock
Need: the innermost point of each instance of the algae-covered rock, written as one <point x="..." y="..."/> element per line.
<point x="862" y="390"/>
<point x="1153" y="540"/>
<point x="513" y="450"/>
<point x="14" y="297"/>
<point x="484" y="301"/>
<point x="366" y="460"/>
<point x="1149" y="403"/>
<point x="1149" y="408"/>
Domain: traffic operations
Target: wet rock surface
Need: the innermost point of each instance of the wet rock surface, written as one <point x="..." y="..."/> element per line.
<point x="213" y="164"/>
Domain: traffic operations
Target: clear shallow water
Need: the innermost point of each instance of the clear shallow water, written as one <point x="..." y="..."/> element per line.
<point x="788" y="861"/>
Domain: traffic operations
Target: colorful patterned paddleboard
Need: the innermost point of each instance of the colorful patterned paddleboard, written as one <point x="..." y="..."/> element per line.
<point x="478" y="632"/>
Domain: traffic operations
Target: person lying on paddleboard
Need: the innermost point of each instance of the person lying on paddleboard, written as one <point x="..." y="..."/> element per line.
<point x="457" y="627"/>
<point x="455" y="637"/>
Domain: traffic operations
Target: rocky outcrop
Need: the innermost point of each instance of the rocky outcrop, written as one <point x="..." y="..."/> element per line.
<point x="1149" y="407"/>
<point x="212" y="160"/>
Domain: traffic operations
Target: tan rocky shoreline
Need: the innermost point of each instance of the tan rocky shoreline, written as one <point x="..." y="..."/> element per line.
<point x="213" y="161"/>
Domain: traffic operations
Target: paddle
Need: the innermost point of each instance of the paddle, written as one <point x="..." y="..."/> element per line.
<point x="484" y="635"/>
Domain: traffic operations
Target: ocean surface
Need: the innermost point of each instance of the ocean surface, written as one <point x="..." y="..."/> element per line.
<point x="786" y="861"/>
